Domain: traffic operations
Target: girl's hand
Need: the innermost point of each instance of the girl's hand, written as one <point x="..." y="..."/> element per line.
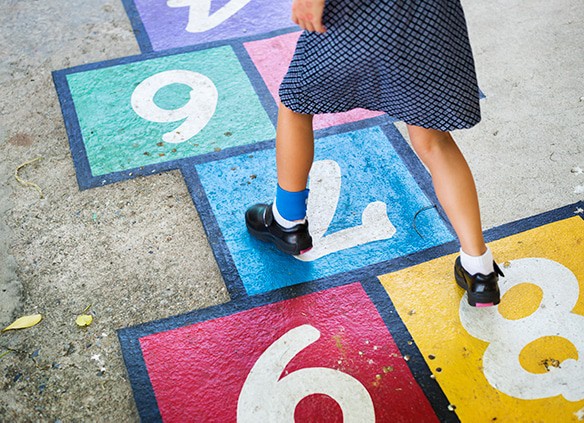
<point x="308" y="14"/>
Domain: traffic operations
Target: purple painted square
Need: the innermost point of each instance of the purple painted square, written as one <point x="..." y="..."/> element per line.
<point x="166" y="21"/>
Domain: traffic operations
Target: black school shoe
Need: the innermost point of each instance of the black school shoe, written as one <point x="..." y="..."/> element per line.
<point x="482" y="290"/>
<point x="261" y="224"/>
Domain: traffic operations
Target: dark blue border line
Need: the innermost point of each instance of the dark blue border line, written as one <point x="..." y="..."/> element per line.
<point x="71" y="120"/>
<point x="406" y="345"/>
<point x="222" y="254"/>
<point x="138" y="374"/>
<point x="142" y="387"/>
<point x="137" y="26"/>
<point x="257" y="82"/>
<point x="215" y="237"/>
<point x="528" y="223"/>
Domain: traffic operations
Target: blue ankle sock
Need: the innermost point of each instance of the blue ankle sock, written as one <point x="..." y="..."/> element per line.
<point x="291" y="205"/>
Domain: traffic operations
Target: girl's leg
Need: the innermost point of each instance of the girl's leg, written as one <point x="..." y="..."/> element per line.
<point x="283" y="223"/>
<point x="294" y="149"/>
<point x="453" y="183"/>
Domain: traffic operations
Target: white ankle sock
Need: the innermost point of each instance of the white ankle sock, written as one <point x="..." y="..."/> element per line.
<point x="285" y="223"/>
<point x="477" y="264"/>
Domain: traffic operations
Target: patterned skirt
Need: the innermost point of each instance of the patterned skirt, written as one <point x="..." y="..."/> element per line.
<point x="409" y="58"/>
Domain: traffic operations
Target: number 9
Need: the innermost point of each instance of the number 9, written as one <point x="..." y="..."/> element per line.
<point x="196" y="113"/>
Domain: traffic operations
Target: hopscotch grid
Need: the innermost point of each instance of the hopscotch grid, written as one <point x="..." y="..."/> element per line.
<point x="138" y="374"/>
<point x="241" y="301"/>
<point x="87" y="180"/>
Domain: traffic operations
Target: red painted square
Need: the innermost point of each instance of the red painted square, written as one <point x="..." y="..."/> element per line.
<point x="198" y="371"/>
<point x="272" y="57"/>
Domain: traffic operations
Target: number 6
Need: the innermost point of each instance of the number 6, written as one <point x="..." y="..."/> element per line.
<point x="265" y="397"/>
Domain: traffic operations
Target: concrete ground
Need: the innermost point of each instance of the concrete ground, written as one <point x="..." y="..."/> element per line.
<point x="136" y="251"/>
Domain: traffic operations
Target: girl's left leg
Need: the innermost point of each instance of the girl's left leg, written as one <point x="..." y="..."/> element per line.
<point x="475" y="270"/>
<point x="453" y="183"/>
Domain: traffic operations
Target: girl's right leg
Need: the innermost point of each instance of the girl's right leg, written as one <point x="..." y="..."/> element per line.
<point x="283" y="223"/>
<point x="294" y="149"/>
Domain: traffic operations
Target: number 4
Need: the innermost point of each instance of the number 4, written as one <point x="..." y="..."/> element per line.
<point x="200" y="18"/>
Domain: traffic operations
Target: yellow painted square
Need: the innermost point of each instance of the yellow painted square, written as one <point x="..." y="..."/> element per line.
<point x="431" y="305"/>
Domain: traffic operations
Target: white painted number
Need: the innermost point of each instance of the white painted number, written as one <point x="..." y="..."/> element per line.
<point x="507" y="338"/>
<point x="325" y="189"/>
<point x="196" y="113"/>
<point x="200" y="18"/>
<point x="266" y="397"/>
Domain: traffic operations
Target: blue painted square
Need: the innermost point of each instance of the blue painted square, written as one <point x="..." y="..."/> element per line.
<point x="370" y="171"/>
<point x="125" y="111"/>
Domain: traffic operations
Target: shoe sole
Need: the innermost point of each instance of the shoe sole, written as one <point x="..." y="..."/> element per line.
<point x="282" y="246"/>
<point x="477" y="300"/>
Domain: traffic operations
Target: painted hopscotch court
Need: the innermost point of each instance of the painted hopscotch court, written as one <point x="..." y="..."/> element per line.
<point x="369" y="325"/>
<point x="403" y="346"/>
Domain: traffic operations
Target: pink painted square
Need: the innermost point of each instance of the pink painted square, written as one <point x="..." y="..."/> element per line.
<point x="322" y="357"/>
<point x="272" y="57"/>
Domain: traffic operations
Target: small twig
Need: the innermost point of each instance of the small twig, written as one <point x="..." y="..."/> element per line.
<point x="433" y="206"/>
<point x="5" y="353"/>
<point x="28" y="183"/>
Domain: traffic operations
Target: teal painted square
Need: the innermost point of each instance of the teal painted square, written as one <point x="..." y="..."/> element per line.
<point x="116" y="138"/>
<point x="371" y="170"/>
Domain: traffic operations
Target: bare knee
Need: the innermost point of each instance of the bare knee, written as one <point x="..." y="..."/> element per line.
<point x="430" y="143"/>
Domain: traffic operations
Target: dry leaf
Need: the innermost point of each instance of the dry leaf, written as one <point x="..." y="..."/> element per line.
<point x="84" y="320"/>
<point x="24" y="322"/>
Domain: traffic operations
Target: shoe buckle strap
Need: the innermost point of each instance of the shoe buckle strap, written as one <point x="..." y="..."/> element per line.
<point x="498" y="269"/>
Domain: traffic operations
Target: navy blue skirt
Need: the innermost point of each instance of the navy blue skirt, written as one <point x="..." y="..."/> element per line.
<point x="409" y="58"/>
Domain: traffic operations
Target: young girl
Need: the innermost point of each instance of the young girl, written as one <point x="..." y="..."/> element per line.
<point x="409" y="58"/>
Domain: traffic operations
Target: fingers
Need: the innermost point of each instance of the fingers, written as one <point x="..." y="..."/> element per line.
<point x="319" y="27"/>
<point x="308" y="15"/>
<point x="309" y="25"/>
